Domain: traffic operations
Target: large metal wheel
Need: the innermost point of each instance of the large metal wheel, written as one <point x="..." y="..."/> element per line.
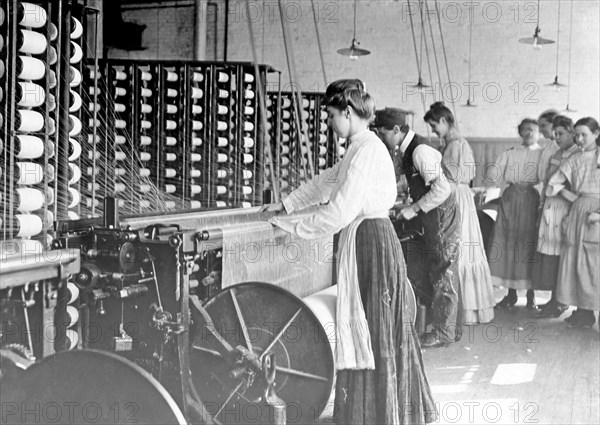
<point x="262" y="319"/>
<point x="88" y="386"/>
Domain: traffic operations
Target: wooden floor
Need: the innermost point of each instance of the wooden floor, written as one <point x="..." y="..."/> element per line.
<point x="518" y="370"/>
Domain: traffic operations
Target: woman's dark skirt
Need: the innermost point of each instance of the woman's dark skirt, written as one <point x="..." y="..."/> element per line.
<point x="397" y="391"/>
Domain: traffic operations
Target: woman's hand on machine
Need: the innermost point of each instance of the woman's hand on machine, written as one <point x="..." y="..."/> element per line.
<point x="409" y="213"/>
<point x="276" y="208"/>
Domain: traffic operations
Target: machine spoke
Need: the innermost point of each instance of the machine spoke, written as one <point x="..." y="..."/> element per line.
<point x="241" y="320"/>
<point x="307" y="375"/>
<point x="280" y="334"/>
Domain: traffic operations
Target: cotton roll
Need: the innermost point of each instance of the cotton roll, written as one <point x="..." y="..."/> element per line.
<point x="31" y="42"/>
<point x="29" y="68"/>
<point x="75" y="197"/>
<point x="74" y="125"/>
<point x="75" y="102"/>
<point x="76" y="53"/>
<point x="30" y="95"/>
<point x="30" y="199"/>
<point x="76" y="28"/>
<point x="29" y="225"/>
<point x="29" y="121"/>
<point x="76" y="173"/>
<point x="30" y="147"/>
<point x="75" y="150"/>
<point x="198" y="77"/>
<point x="221" y="190"/>
<point x="31" y="15"/>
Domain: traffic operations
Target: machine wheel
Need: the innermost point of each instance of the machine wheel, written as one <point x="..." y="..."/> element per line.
<point x="262" y="319"/>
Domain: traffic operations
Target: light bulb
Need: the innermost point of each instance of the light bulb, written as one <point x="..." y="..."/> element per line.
<point x="352" y="57"/>
<point x="536" y="46"/>
<point x="556" y="88"/>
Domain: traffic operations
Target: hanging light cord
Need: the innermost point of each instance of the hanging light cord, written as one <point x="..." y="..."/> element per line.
<point x="437" y="11"/>
<point x="557" y="39"/>
<point x="538" y="15"/>
<point x="470" y="48"/>
<point x="412" y="29"/>
<point x="354" y="35"/>
<point x="424" y="39"/>
<point x="570" y="44"/>
<point x="312" y="2"/>
<point x="435" y="56"/>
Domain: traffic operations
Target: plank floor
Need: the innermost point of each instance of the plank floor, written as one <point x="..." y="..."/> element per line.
<point x="518" y="370"/>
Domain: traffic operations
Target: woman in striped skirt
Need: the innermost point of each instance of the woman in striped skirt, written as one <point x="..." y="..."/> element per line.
<point x="380" y="373"/>
<point x="513" y="250"/>
<point x="578" y="181"/>
<point x="552" y="212"/>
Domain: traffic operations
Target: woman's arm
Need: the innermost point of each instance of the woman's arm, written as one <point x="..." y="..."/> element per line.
<point x="314" y="192"/>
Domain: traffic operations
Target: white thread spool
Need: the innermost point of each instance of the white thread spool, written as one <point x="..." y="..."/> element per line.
<point x="247" y="190"/>
<point x="249" y="94"/>
<point x="29" y="173"/>
<point x="74" y="125"/>
<point x="222" y="77"/>
<point x="30" y="199"/>
<point x="28" y="225"/>
<point x="145" y="188"/>
<point x="120" y="139"/>
<point x="146" y="76"/>
<point x="170" y="173"/>
<point x="75" y="173"/>
<point x="172" y="76"/>
<point x="29" y="68"/>
<point x="284" y="172"/>
<point x="145" y="156"/>
<point x="120" y="124"/>
<point x="50" y="173"/>
<point x="248" y="78"/>
<point x="29" y="147"/>
<point x="197" y="93"/>
<point x="72" y="339"/>
<point x="75" y="197"/>
<point x="170" y="157"/>
<point x="76" y="28"/>
<point x="247" y="174"/>
<point x="249" y="110"/>
<point x="196" y="141"/>
<point x="28" y="121"/>
<point x="73" y="292"/>
<point x="195" y="189"/>
<point x="145" y="141"/>
<point x="171" y="93"/>
<point x="195" y="157"/>
<point x="197" y="125"/>
<point x="31" y="42"/>
<point x="171" y="125"/>
<point x="285" y="161"/>
<point x="75" y="102"/>
<point x="341" y="150"/>
<point x="222" y="174"/>
<point x="195" y="173"/>
<point x="120" y="172"/>
<point x="194" y="205"/>
<point x="144" y="172"/>
<point x="223" y="94"/>
<point x="119" y="75"/>
<point x="222" y="142"/>
<point x="2" y="16"/>
<point x="171" y="141"/>
<point x="222" y="110"/>
<point x="31" y="15"/>
<point x="248" y="158"/>
<point x="145" y="92"/>
<point x="285" y="126"/>
<point x="248" y="126"/>
<point x="119" y="107"/>
<point x="75" y="150"/>
<point x="322" y="162"/>
<point x="120" y="187"/>
<point x="75" y="77"/>
<point x="196" y="109"/>
<point x="285" y="149"/>
<point x="76" y="53"/>
<point x="221" y="157"/>
<point x="145" y="124"/>
<point x="120" y="91"/>
<point x="170" y="188"/>
<point x="221" y="190"/>
<point x="30" y="95"/>
<point x="171" y="109"/>
<point x="322" y="139"/>
<point x="120" y="156"/>
<point x="72" y="316"/>
<point x="197" y="77"/>
<point x="145" y="108"/>
<point x="221" y="204"/>
<point x="248" y="142"/>
<point x="286" y="103"/>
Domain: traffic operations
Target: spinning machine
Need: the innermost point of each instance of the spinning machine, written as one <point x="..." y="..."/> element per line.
<point x="133" y="259"/>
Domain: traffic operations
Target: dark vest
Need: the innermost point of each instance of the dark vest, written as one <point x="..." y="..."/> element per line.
<point x="416" y="185"/>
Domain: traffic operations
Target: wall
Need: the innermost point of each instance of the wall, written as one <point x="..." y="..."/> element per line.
<point x="508" y="78"/>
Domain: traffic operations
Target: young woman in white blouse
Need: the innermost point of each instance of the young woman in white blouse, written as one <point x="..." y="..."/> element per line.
<point x="380" y="374"/>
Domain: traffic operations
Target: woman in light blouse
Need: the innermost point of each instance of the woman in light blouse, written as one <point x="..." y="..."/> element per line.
<point x="578" y="181"/>
<point x="380" y="374"/>
<point x="513" y="250"/>
<point x="475" y="279"/>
